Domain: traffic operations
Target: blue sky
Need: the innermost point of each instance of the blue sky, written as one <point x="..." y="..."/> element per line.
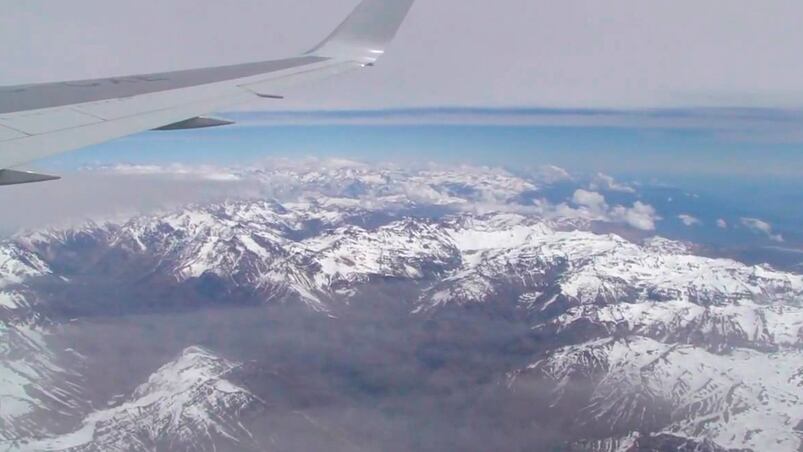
<point x="492" y="137"/>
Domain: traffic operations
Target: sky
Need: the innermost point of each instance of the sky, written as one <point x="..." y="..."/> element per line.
<point x="616" y="54"/>
<point x="616" y="150"/>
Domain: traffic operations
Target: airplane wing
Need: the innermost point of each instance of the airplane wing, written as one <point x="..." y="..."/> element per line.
<point x="37" y="121"/>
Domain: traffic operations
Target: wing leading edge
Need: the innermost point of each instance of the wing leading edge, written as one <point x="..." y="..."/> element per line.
<point x="37" y="121"/>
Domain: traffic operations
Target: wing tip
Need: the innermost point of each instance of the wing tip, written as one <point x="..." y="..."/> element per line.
<point x="365" y="33"/>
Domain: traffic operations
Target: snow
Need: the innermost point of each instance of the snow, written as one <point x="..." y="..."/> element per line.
<point x="18" y="264"/>
<point x="778" y="325"/>
<point x="673" y="303"/>
<point x="398" y="249"/>
<point x="11" y="300"/>
<point x="502" y="247"/>
<point x="477" y="239"/>
<point x="30" y="379"/>
<point x="742" y="399"/>
<point x="185" y="399"/>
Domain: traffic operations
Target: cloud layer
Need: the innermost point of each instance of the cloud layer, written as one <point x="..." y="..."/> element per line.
<point x="122" y="190"/>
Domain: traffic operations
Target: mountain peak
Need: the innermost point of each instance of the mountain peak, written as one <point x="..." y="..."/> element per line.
<point x="186" y="405"/>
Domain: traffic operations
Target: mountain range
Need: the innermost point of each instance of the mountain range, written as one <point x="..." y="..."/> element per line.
<point x="450" y="287"/>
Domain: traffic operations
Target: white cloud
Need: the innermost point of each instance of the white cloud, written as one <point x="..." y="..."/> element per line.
<point x="762" y="227"/>
<point x="605" y="182"/>
<point x="590" y="199"/>
<point x="550" y="174"/>
<point x="175" y="170"/>
<point x="641" y="216"/>
<point x="722" y="224"/>
<point x="689" y="220"/>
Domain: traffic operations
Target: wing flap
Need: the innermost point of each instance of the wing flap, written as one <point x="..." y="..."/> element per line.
<point x="114" y="109"/>
<point x="9" y="134"/>
<point x="275" y="85"/>
<point x="11" y="177"/>
<point x="195" y="123"/>
<point x="39" y="122"/>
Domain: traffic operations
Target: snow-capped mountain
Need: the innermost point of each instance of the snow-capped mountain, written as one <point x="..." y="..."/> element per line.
<point x="18" y="264"/>
<point x="571" y="279"/>
<point x="639" y="384"/>
<point x="607" y="268"/>
<point x="33" y="382"/>
<point x="262" y="246"/>
<point x="186" y="405"/>
<point x="388" y="186"/>
<point x="37" y="390"/>
<point x="268" y="246"/>
<point x="644" y="343"/>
